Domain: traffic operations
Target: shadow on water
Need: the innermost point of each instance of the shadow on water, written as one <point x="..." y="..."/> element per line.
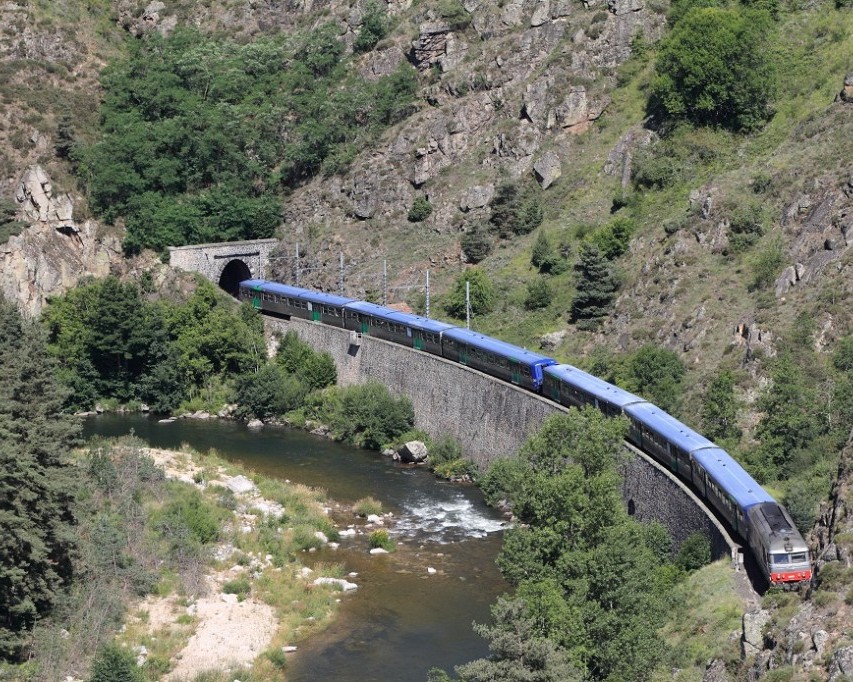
<point x="414" y="608"/>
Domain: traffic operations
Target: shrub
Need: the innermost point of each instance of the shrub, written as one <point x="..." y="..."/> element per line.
<point x="369" y="416"/>
<point x="189" y="516"/>
<point x="766" y="266"/>
<point x="747" y="222"/>
<point x="514" y="213"/>
<point x="269" y="392"/>
<point x="694" y="552"/>
<point x="367" y="506"/>
<point x="482" y="294"/>
<point x="239" y="586"/>
<point x="538" y="294"/>
<point x="454" y="14"/>
<point x="114" y="664"/>
<point x="446" y="449"/>
<point x="476" y="243"/>
<point x="374" y="27"/>
<point x="715" y="68"/>
<point x="420" y="210"/>
<point x="613" y="238"/>
<point x="380" y="538"/>
<point x="656" y="373"/>
<point x="504" y="477"/>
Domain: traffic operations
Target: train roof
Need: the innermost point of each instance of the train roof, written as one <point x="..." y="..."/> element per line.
<point x="668" y="427"/>
<point x="296" y="292"/>
<point x="729" y="475"/>
<point x="416" y="321"/>
<point x="498" y="347"/>
<point x="599" y="388"/>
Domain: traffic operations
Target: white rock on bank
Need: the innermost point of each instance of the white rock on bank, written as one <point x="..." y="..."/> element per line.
<point x="345" y="585"/>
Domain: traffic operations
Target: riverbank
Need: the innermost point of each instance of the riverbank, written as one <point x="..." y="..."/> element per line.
<point x="254" y="599"/>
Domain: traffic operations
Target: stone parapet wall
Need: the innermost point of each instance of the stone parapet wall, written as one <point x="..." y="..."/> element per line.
<point x="491" y="419"/>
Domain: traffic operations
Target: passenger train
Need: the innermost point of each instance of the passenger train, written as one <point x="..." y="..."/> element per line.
<point x="764" y="524"/>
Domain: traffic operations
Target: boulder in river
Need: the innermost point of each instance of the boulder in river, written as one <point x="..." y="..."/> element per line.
<point x="413" y="452"/>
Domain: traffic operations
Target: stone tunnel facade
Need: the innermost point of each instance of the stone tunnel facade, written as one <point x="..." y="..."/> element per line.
<point x="491" y="419"/>
<point x="227" y="263"/>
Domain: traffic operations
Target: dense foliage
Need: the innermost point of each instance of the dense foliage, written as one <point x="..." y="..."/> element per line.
<point x="37" y="488"/>
<point x="481" y="294"/>
<point x="113" y="344"/>
<point x="715" y="68"/>
<point x="200" y="135"/>
<point x="591" y="582"/>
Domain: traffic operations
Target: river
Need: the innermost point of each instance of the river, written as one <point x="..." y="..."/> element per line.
<point x="404" y="618"/>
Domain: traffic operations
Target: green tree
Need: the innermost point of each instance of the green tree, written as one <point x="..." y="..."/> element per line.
<point x="789" y="424"/>
<point x="269" y="392"/>
<point x="476" y="243"/>
<point x="719" y="408"/>
<point x="588" y="574"/>
<point x="656" y="374"/>
<point x="482" y="294"/>
<point x="520" y="650"/>
<point x="596" y="287"/>
<point x="420" y="210"/>
<point x="715" y="68"/>
<point x="514" y="212"/>
<point x="37" y="488"/>
<point x="370" y="417"/>
<point x="546" y="257"/>
<point x="538" y="294"/>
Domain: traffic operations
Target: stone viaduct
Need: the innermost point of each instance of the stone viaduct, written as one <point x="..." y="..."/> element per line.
<point x="490" y="419"/>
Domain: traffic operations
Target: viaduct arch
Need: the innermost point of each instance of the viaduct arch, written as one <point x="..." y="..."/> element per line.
<point x="227" y="263"/>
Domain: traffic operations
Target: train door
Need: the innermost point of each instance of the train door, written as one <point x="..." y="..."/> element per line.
<point x="515" y="371"/>
<point x="256" y="299"/>
<point x="314" y="315"/>
<point x="364" y="324"/>
<point x="464" y="355"/>
<point x="417" y="338"/>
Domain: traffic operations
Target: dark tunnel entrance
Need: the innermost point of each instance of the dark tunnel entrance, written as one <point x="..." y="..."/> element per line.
<point x="234" y="273"/>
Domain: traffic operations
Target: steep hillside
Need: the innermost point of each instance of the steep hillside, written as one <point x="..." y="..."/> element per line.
<point x="708" y="267"/>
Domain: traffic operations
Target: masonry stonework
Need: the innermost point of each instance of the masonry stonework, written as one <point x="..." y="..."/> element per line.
<point x="491" y="419"/>
<point x="211" y="259"/>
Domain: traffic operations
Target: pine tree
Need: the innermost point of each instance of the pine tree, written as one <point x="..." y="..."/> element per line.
<point x="596" y="287"/>
<point x="36" y="486"/>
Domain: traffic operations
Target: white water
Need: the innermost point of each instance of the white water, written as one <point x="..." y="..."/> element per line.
<point x="451" y="520"/>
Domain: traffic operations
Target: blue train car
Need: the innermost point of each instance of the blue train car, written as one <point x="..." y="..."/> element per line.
<point x="725" y="484"/>
<point x="289" y="301"/>
<point x="498" y="358"/>
<point x="406" y="329"/>
<point x="573" y="387"/>
<point x="664" y="437"/>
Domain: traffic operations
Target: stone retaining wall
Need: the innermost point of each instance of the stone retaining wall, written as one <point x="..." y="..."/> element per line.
<point x="491" y="419"/>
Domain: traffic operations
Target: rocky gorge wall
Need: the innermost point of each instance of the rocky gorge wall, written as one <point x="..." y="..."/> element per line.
<point x="491" y="419"/>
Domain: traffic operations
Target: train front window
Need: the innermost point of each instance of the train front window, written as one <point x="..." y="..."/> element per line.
<point x="798" y="558"/>
<point x="780" y="559"/>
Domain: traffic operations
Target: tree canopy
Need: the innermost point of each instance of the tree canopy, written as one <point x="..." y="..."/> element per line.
<point x="37" y="490"/>
<point x="200" y="136"/>
<point x="715" y="68"/>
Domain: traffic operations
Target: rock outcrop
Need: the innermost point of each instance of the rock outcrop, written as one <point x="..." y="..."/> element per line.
<point x="55" y="252"/>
